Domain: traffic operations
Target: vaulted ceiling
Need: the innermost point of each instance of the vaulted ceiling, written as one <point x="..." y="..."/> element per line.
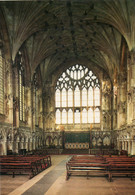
<point x="55" y="32"/>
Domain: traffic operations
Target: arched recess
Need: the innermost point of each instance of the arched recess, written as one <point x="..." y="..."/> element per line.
<point x="22" y="88"/>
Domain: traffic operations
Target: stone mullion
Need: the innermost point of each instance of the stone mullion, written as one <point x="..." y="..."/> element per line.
<point x="101" y="110"/>
<point x="40" y="109"/>
<point x="33" y="107"/>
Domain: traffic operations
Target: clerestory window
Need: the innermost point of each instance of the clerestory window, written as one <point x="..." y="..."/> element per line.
<point x="77" y="96"/>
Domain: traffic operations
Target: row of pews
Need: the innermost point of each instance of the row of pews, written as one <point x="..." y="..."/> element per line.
<point x="101" y="165"/>
<point x="31" y="165"/>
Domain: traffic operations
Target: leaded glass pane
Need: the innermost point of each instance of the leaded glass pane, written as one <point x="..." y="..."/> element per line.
<point x="57" y="116"/>
<point x="90" y="96"/>
<point x="77" y="96"/>
<point x="57" y="98"/>
<point x="97" y="115"/>
<point x="64" y="98"/>
<point x="70" y="116"/>
<point x="84" y="97"/>
<point x="70" y="98"/>
<point x="90" y="116"/>
<point x="77" y="116"/>
<point x="84" y="116"/>
<point x="64" y="117"/>
<point x="97" y="96"/>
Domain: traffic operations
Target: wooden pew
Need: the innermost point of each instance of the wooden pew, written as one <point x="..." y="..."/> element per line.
<point x="122" y="165"/>
<point x="121" y="168"/>
<point x="31" y="164"/>
<point x="88" y="165"/>
<point x="18" y="167"/>
<point x="92" y="165"/>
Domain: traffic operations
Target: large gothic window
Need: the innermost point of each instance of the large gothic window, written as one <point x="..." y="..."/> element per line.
<point x="1" y="83"/>
<point x="77" y="96"/>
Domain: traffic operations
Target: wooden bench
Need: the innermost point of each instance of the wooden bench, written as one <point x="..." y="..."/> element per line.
<point x="86" y="168"/>
<point x="94" y="165"/>
<point x="121" y="168"/>
<point x="88" y="165"/>
<point x="20" y="164"/>
<point x="18" y="168"/>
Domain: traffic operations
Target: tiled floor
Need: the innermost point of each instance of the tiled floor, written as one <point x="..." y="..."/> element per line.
<point x="52" y="182"/>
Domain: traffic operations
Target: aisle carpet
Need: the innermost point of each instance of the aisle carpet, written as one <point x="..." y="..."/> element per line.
<point x="45" y="183"/>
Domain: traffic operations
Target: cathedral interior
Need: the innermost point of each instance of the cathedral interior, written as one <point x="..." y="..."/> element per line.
<point x="67" y="76"/>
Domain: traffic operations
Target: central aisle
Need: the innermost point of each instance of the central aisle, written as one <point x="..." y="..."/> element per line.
<point x="45" y="183"/>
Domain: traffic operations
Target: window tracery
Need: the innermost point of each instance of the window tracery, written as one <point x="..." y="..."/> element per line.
<point x="77" y="96"/>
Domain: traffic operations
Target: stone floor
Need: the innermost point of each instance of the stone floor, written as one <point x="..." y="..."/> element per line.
<point x="52" y="182"/>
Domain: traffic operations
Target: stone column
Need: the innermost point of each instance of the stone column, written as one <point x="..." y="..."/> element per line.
<point x="8" y="92"/>
<point x="30" y="145"/>
<point x="133" y="147"/>
<point x="122" y="99"/>
<point x="34" y="144"/>
<point x="131" y="143"/>
<point x="129" y="147"/>
<point x="118" y="144"/>
<point x="16" y="146"/>
<point x="5" y="147"/>
<point x="123" y="145"/>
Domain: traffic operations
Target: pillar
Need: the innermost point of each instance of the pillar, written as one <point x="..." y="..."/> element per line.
<point x="133" y="147"/>
<point x="129" y="147"/>
<point x="5" y="147"/>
